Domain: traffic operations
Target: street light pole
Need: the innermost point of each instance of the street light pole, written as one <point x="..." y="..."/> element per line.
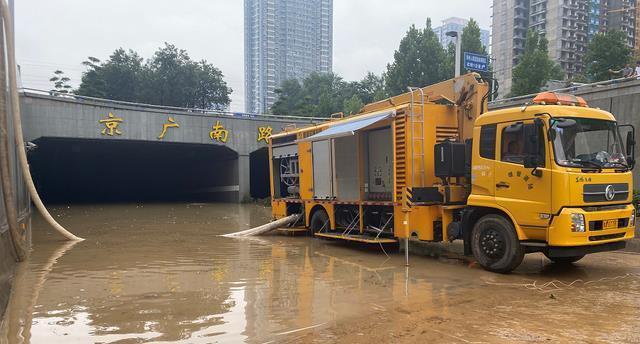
<point x="454" y="34"/>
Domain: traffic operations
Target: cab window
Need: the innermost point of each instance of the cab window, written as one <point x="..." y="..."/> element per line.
<point x="488" y="141"/>
<point x="512" y="143"/>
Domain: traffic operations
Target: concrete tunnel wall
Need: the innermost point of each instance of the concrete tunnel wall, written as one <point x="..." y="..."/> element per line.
<point x="49" y="117"/>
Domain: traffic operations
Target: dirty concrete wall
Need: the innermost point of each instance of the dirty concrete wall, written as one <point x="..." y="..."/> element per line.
<point x="47" y="116"/>
<point x="61" y="117"/>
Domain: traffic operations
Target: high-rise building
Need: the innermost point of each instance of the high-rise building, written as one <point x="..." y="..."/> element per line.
<point x="457" y="25"/>
<point x="284" y="39"/>
<point x="636" y="46"/>
<point x="621" y="15"/>
<point x="568" y="25"/>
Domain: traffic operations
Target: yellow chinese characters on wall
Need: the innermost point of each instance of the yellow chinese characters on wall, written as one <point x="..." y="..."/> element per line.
<point x="219" y="133"/>
<point x="171" y="123"/>
<point x="111" y="124"/>
<point x="264" y="134"/>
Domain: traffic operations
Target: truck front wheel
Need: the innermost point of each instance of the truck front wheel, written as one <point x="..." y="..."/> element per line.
<point x="495" y="244"/>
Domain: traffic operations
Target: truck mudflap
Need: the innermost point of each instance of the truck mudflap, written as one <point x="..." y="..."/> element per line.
<point x="573" y="251"/>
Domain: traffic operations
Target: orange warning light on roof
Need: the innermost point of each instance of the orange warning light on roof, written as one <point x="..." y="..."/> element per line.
<point x="549" y="98"/>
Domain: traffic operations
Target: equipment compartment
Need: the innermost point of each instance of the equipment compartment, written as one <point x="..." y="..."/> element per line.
<point x="379" y="186"/>
<point x="346" y="181"/>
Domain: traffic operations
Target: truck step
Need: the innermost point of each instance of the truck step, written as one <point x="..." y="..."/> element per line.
<point x="358" y="238"/>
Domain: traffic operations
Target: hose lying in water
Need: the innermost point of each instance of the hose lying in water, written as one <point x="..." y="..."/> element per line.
<point x="266" y="228"/>
<point x="17" y="125"/>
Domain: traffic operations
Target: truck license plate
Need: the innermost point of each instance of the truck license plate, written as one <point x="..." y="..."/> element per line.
<point x="610" y="224"/>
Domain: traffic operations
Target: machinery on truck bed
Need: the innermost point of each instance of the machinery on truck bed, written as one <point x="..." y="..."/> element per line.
<point x="553" y="176"/>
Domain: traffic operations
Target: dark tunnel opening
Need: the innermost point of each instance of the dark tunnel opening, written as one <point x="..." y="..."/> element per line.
<point x="92" y="171"/>
<point x="259" y="164"/>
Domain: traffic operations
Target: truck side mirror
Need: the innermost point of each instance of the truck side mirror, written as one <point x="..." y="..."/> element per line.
<point x="532" y="157"/>
<point x="630" y="144"/>
<point x="631" y="148"/>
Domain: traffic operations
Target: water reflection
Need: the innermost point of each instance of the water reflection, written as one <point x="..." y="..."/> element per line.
<point x="162" y="273"/>
<point x="28" y="284"/>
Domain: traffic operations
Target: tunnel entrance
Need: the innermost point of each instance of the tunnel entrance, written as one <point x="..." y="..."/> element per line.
<point x="259" y="164"/>
<point x="82" y="170"/>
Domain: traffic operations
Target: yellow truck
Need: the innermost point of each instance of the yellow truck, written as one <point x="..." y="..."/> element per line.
<point x="553" y="176"/>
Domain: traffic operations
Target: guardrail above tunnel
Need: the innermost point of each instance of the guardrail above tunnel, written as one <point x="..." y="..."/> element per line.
<point x="71" y="116"/>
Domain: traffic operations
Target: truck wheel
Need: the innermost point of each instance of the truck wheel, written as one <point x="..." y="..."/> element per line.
<point x="565" y="260"/>
<point x="495" y="244"/>
<point x="319" y="221"/>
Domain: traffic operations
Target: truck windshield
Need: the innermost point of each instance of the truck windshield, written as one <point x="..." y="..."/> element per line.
<point x="587" y="143"/>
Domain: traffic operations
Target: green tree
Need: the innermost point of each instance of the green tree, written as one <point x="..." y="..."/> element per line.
<point x="121" y="75"/>
<point x="92" y="84"/>
<point x="449" y="62"/>
<point x="325" y="94"/>
<point x="211" y="91"/>
<point x="420" y="60"/>
<point x="320" y="94"/>
<point x="471" y="43"/>
<point x="60" y="83"/>
<point x="170" y="78"/>
<point x="607" y="51"/>
<point x="535" y="68"/>
<point x="117" y="78"/>
<point x="352" y="105"/>
<point x="369" y="89"/>
<point x="290" y="98"/>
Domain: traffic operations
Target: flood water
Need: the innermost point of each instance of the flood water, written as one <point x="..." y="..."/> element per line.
<point x="161" y="273"/>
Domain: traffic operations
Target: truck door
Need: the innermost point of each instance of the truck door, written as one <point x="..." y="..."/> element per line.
<point x="525" y="196"/>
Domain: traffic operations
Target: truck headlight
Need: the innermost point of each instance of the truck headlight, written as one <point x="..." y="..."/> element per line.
<point x="632" y="219"/>
<point x="577" y="223"/>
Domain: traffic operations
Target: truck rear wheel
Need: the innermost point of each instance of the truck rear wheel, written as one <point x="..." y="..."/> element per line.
<point x="319" y="221"/>
<point x="565" y="260"/>
<point x="495" y="244"/>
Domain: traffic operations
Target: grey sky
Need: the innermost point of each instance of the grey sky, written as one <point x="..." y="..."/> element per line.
<point x="61" y="34"/>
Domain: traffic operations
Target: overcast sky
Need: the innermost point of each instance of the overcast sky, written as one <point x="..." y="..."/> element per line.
<point x="60" y="34"/>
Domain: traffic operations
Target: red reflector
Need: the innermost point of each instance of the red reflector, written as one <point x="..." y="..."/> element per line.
<point x="559" y="99"/>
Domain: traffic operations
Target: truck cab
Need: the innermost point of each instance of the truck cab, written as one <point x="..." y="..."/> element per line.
<point x="552" y="177"/>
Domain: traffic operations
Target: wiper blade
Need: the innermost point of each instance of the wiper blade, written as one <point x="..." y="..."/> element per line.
<point x="615" y="163"/>
<point x="589" y="163"/>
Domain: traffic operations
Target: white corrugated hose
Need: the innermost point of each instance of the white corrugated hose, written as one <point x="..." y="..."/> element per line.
<point x="17" y="125"/>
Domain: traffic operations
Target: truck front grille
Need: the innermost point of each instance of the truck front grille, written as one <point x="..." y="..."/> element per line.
<point x="597" y="192"/>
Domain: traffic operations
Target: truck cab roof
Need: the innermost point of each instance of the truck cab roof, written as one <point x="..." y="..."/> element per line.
<point x="528" y="112"/>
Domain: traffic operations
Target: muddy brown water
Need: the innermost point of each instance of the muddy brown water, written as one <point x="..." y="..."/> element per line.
<point x="161" y="273"/>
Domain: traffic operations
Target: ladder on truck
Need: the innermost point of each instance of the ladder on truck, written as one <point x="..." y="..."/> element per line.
<point x="416" y="122"/>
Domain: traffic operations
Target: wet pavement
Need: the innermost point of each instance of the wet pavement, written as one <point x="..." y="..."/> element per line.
<point x="160" y="273"/>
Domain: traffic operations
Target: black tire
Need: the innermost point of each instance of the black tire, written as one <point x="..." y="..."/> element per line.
<point x="495" y="244"/>
<point x="565" y="260"/>
<point x="319" y="221"/>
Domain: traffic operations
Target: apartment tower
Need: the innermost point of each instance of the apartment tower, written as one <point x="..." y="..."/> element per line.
<point x="458" y="24"/>
<point x="284" y="39"/>
<point x="568" y="25"/>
